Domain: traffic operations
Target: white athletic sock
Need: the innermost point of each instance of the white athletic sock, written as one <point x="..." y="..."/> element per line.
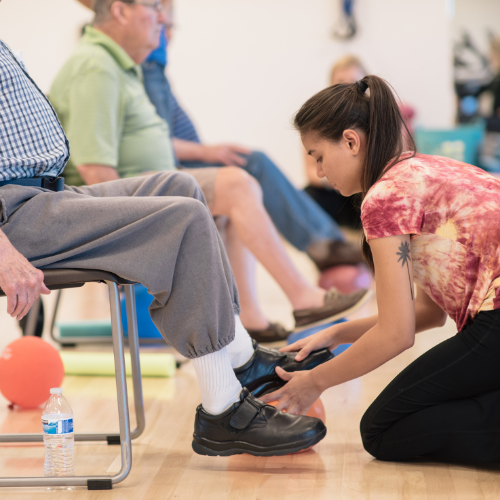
<point x="240" y="350"/>
<point x="219" y="386"/>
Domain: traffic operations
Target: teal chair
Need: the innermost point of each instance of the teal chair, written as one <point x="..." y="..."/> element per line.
<point x="460" y="143"/>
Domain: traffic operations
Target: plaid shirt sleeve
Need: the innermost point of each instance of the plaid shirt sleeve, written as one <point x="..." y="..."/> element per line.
<point x="32" y="141"/>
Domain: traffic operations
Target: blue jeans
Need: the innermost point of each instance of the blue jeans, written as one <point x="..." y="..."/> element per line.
<point x="295" y="214"/>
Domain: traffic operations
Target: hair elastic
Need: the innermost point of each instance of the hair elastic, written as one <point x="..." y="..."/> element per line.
<point x="362" y="86"/>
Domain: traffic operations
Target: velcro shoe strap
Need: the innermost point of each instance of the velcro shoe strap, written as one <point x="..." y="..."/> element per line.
<point x="247" y="411"/>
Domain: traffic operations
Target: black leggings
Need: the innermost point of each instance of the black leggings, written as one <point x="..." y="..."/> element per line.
<point x="446" y="404"/>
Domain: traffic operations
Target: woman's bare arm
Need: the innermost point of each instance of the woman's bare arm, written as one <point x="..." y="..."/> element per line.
<point x="387" y="335"/>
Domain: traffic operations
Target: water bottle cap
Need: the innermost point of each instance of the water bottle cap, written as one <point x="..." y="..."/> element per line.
<point x="56" y="390"/>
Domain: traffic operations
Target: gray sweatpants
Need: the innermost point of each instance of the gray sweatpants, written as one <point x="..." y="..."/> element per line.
<point x="155" y="230"/>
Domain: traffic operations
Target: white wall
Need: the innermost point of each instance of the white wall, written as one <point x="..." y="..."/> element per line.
<point x="46" y="31"/>
<point x="243" y="67"/>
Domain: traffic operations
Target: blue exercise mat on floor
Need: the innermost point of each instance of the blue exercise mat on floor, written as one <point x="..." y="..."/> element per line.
<point x="145" y="325"/>
<point x="102" y="328"/>
<point x="315" y="329"/>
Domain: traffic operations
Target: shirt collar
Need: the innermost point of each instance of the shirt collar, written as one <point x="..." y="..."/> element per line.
<point x="97" y="37"/>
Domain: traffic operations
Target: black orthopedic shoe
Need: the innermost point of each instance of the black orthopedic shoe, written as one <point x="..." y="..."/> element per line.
<point x="259" y="375"/>
<point x="251" y="426"/>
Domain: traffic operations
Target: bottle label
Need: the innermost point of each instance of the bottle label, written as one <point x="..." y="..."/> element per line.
<point x="57" y="426"/>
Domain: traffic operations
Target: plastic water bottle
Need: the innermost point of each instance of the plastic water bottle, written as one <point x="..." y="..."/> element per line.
<point x="58" y="436"/>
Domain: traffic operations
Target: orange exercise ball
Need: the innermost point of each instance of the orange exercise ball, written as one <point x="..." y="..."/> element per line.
<point x="29" y="368"/>
<point x="316" y="410"/>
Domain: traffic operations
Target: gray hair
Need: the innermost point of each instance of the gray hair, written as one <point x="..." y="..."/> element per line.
<point x="102" y="9"/>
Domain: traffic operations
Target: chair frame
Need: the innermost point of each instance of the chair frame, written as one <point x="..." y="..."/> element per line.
<point x="125" y="436"/>
<point x="73" y="342"/>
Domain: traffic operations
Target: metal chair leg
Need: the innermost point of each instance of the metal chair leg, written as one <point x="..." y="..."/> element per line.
<point x="121" y="382"/>
<point x="54" y="315"/>
<point x="95" y="482"/>
<point x="33" y="317"/>
<point x="133" y="339"/>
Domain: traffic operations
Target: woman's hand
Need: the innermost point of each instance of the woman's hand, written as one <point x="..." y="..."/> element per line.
<point x="325" y="338"/>
<point x="297" y="395"/>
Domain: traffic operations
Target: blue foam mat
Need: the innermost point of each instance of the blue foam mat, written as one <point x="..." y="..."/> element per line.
<point x="147" y="328"/>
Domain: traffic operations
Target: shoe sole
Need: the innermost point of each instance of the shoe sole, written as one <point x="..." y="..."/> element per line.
<point x="210" y="448"/>
<point x="334" y="317"/>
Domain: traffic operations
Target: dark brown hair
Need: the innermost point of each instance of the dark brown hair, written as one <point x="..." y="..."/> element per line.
<point x="377" y="115"/>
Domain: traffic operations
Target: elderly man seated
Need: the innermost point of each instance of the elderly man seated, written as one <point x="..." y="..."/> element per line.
<point x="158" y="231"/>
<point x="115" y="132"/>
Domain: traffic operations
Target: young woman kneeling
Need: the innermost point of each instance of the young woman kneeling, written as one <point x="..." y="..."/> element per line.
<point x="426" y="219"/>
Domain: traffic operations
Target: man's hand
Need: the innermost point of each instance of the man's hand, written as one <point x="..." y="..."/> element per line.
<point x="226" y="154"/>
<point x="20" y="281"/>
<point x="297" y="395"/>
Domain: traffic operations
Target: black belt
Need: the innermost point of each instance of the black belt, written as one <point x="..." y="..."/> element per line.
<point x="52" y="183"/>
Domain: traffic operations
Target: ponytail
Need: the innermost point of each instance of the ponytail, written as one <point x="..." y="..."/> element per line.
<point x="377" y="115"/>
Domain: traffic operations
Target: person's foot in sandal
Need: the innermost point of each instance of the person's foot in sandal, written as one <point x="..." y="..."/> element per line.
<point x="273" y="333"/>
<point x="335" y="253"/>
<point x="336" y="305"/>
<point x="251" y="426"/>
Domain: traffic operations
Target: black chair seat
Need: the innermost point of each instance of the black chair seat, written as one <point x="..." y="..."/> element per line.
<point x="57" y="279"/>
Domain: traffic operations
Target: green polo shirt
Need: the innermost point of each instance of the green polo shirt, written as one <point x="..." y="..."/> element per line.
<point x="108" y="118"/>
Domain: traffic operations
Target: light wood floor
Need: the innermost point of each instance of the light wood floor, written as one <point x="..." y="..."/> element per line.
<point x="166" y="468"/>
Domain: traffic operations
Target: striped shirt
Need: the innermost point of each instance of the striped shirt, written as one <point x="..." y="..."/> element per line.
<point x="182" y="127"/>
<point x="32" y="141"/>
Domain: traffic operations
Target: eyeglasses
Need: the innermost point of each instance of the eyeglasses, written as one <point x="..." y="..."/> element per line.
<point x="157" y="6"/>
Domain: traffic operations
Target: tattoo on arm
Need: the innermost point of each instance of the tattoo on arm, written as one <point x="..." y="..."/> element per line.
<point x="405" y="257"/>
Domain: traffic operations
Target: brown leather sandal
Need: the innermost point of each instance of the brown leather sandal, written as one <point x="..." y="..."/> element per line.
<point x="273" y="333"/>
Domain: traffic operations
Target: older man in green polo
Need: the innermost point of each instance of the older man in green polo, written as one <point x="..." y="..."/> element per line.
<point x="113" y="128"/>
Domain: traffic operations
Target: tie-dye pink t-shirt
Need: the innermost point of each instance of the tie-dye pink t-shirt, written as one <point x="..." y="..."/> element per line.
<point x="452" y="212"/>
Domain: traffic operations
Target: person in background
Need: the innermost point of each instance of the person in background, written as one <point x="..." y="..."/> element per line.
<point x="343" y="210"/>
<point x="115" y="132"/>
<point x="495" y="84"/>
<point x="295" y="214"/>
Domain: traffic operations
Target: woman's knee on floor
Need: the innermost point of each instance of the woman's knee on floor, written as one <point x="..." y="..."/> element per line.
<point x="371" y="436"/>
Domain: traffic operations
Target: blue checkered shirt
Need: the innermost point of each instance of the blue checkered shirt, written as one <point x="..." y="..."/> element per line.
<point x="32" y="141"/>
